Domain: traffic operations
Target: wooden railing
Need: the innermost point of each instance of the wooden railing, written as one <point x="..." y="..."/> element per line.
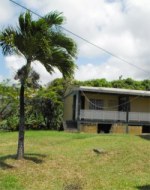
<point x="139" y="116"/>
<point x="114" y="115"/>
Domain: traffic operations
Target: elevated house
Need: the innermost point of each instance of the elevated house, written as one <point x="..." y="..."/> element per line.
<point x="107" y="110"/>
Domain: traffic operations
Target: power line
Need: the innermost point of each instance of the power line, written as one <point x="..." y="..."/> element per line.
<point x="26" y="8"/>
<point x="87" y="41"/>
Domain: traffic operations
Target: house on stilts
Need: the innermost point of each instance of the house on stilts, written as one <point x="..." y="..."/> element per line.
<point x="107" y="110"/>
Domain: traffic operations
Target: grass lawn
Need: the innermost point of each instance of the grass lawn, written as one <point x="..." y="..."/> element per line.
<point x="66" y="161"/>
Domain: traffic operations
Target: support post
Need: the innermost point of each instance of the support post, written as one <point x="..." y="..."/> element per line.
<point x="78" y="109"/>
<point x="127" y="115"/>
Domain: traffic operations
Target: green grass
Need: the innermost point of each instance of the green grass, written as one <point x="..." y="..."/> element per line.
<point x="66" y="161"/>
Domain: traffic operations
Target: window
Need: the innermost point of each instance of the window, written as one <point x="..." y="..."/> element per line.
<point x="112" y="105"/>
<point x="96" y="104"/>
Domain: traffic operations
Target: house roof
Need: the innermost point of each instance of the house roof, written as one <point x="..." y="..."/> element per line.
<point x="113" y="91"/>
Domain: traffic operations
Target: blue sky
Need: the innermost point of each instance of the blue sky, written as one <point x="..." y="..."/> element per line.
<point x="3" y="70"/>
<point x="119" y="26"/>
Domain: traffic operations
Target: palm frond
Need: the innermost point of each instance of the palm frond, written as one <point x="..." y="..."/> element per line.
<point x="28" y="22"/>
<point x="54" y="18"/>
<point x="25" y="23"/>
<point x="61" y="40"/>
<point x="48" y="66"/>
<point x="21" y="23"/>
<point x="7" y="41"/>
<point x="63" y="61"/>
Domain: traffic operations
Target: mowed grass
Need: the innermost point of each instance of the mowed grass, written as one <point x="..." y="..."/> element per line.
<point x="66" y="161"/>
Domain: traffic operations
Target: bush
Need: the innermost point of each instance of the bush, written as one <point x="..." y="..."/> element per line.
<point x="9" y="124"/>
<point x="12" y="123"/>
<point x="3" y="125"/>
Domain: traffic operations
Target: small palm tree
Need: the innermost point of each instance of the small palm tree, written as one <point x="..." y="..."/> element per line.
<point x="41" y="40"/>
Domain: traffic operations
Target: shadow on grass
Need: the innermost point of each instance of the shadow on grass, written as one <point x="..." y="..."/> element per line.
<point x="36" y="158"/>
<point x="145" y="136"/>
<point x="144" y="187"/>
<point x="73" y="186"/>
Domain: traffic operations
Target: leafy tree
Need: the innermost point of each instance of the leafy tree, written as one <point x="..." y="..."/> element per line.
<point x="128" y="83"/>
<point x="8" y="103"/>
<point x="8" y="99"/>
<point x="41" y="40"/>
<point x="49" y="102"/>
<point x="146" y="84"/>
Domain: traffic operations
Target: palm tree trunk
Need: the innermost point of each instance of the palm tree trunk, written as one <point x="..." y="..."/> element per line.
<point x="20" y="151"/>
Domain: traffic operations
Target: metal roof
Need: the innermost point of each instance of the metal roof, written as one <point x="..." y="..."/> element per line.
<point x="113" y="91"/>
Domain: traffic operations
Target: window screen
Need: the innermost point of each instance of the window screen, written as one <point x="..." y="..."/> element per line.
<point x="96" y="104"/>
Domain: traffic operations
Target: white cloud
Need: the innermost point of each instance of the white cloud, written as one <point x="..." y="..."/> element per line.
<point x="121" y="27"/>
<point x="124" y="33"/>
<point x="8" y="13"/>
<point x="14" y="63"/>
<point x="5" y="6"/>
<point x="111" y="70"/>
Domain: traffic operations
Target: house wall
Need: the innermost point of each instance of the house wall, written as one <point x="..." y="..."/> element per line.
<point x="110" y="101"/>
<point x="68" y="108"/>
<point x="121" y="128"/>
<point x="117" y="128"/>
<point x="139" y="104"/>
<point x="135" y="130"/>
<point x="88" y="128"/>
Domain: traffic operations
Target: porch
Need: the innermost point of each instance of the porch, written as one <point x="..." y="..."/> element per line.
<point x="115" y="116"/>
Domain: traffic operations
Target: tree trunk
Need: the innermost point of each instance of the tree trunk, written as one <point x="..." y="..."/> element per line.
<point x="20" y="151"/>
<point x="23" y="78"/>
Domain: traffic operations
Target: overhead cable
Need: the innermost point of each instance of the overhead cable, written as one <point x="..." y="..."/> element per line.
<point x="87" y="41"/>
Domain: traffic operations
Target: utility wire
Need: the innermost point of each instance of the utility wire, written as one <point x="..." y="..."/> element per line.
<point x="26" y="8"/>
<point x="104" y="50"/>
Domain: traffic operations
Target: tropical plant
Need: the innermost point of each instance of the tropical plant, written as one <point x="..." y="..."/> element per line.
<point x="48" y="102"/>
<point x="8" y="106"/>
<point x="38" y="40"/>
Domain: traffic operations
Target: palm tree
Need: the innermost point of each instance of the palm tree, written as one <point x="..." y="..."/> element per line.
<point x="41" y="40"/>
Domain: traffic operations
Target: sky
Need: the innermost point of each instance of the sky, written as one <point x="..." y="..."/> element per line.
<point x="121" y="27"/>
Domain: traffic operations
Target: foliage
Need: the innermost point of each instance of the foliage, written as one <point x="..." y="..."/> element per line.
<point x="128" y="83"/>
<point x="50" y="102"/>
<point x="146" y="84"/>
<point x="8" y="106"/>
<point x="3" y="125"/>
<point x="42" y="113"/>
<point x="94" y="83"/>
<point x="12" y="123"/>
<point x="44" y="107"/>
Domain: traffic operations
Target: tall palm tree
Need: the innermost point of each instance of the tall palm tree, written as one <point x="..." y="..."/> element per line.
<point x="41" y="40"/>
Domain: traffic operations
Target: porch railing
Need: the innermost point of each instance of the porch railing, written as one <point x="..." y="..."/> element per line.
<point x="139" y="116"/>
<point x="114" y="115"/>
